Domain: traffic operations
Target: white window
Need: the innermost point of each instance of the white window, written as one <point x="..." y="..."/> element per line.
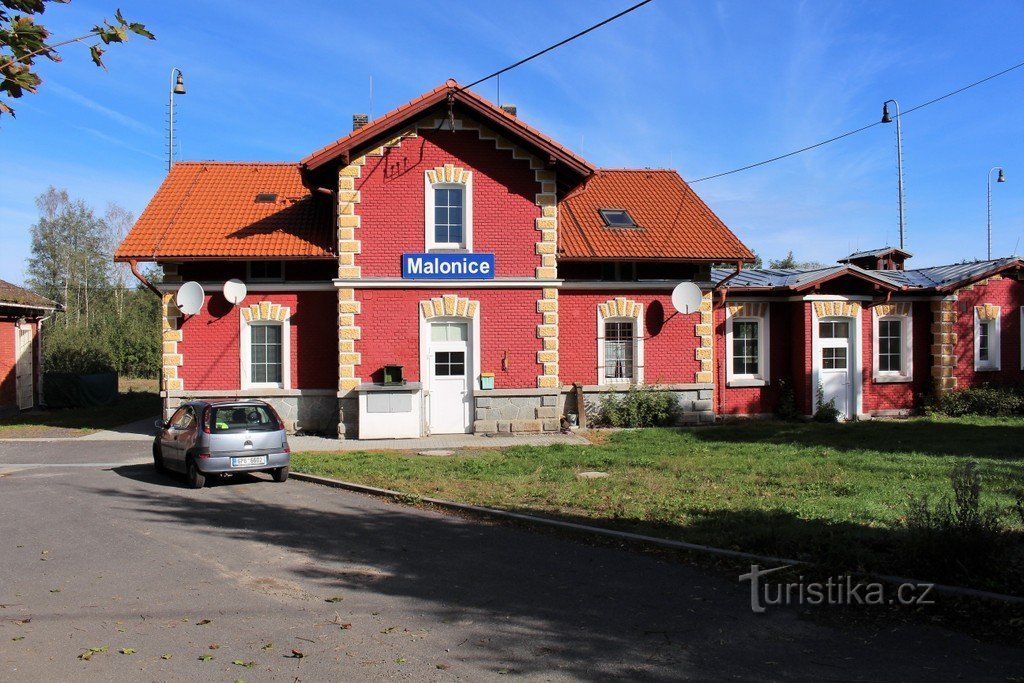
<point x="986" y="339"/>
<point x="893" y="345"/>
<point x="746" y="350"/>
<point x="265" y="355"/>
<point x="266" y="271"/>
<point x="620" y="350"/>
<point x="449" y="215"/>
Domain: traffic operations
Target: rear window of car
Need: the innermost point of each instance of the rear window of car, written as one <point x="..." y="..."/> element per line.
<point x="241" y="418"/>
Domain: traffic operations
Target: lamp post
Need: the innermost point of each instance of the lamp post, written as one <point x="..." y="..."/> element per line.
<point x="1001" y="178"/>
<point x="177" y="88"/>
<point x="899" y="154"/>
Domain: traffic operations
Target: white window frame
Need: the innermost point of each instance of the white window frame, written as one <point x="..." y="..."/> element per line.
<point x="994" y="362"/>
<point x="249" y="277"/>
<point x="763" y="375"/>
<point x="906" y="371"/>
<point x="638" y="350"/>
<point x="467" y="214"/>
<point x="245" y="344"/>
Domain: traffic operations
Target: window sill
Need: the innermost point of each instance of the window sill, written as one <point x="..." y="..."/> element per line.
<point x="746" y="382"/>
<point x="986" y="368"/>
<point x="892" y="379"/>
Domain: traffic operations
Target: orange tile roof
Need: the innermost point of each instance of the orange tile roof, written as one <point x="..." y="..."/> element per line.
<point x="674" y="223"/>
<point x="371" y="133"/>
<point x="208" y="209"/>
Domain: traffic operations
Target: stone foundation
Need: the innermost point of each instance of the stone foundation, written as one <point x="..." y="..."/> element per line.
<point x="517" y="411"/>
<point x="695" y="401"/>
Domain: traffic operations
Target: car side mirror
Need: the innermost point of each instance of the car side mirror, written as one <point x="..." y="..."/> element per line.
<point x="160" y="424"/>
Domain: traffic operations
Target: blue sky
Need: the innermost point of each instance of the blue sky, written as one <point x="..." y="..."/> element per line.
<point x="701" y="87"/>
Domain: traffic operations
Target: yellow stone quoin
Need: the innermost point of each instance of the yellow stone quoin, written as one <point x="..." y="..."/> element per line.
<point x="705" y="352"/>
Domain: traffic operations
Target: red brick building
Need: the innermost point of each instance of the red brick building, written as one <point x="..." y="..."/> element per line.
<point x="20" y="370"/>
<point x="497" y="269"/>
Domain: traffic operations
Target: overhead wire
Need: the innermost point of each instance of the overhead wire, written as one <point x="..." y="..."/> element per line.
<point x="857" y="130"/>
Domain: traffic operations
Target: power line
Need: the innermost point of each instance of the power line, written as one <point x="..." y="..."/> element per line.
<point x="858" y="130"/>
<point x="558" y="44"/>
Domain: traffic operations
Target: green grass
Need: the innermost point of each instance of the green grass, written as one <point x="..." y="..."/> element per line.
<point x="131" y="406"/>
<point x="831" y="493"/>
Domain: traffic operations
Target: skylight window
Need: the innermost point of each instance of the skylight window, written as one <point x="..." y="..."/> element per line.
<point x="266" y="197"/>
<point x="617" y="218"/>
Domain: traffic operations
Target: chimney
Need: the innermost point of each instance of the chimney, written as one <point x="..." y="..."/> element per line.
<point x="509" y="109"/>
<point x="359" y="120"/>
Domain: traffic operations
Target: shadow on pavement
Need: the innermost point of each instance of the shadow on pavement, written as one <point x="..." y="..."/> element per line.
<point x="549" y="605"/>
<point x="147" y="474"/>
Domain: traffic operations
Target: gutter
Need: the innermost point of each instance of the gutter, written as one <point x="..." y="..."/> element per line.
<point x="134" y="265"/>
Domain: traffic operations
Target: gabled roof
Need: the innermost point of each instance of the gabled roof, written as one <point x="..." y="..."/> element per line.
<point x="672" y="221"/>
<point x="21" y="297"/>
<point x="936" y="278"/>
<point x="388" y="125"/>
<point x="875" y="253"/>
<point x="207" y="209"/>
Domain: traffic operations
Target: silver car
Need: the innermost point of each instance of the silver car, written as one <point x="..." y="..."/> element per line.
<point x="222" y="437"/>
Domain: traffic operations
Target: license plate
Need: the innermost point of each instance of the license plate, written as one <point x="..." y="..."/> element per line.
<point x="249" y="461"/>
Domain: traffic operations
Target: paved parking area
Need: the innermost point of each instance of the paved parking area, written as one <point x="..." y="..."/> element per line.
<point x="97" y="551"/>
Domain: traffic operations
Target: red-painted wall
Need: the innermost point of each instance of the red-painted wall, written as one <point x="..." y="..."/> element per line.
<point x="1008" y="294"/>
<point x="392" y="202"/>
<point x="669" y="345"/>
<point x="760" y="400"/>
<point x="8" y="360"/>
<point x="390" y="322"/>
<point x="210" y="342"/>
<point x="883" y="396"/>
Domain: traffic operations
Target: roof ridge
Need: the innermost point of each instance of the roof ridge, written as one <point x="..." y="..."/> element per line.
<point x="215" y="162"/>
<point x="622" y="169"/>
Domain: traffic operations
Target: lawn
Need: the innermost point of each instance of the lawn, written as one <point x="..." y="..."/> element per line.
<point x="137" y="399"/>
<point x="826" y="492"/>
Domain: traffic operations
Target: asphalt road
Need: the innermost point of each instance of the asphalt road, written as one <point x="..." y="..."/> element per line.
<point x="112" y="555"/>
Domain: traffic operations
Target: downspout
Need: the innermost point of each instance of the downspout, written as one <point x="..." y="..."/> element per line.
<point x="719" y="390"/>
<point x="133" y="264"/>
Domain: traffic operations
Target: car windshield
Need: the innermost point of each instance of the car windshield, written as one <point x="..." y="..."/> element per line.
<point x="241" y="418"/>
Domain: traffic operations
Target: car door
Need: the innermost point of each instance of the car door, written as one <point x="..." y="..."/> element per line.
<point x="170" y="449"/>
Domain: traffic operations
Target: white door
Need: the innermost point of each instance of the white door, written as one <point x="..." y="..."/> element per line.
<point x="835" y="363"/>
<point x="24" y="371"/>
<point x="449" y="372"/>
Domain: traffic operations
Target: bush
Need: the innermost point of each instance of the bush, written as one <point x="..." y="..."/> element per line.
<point x="985" y="400"/>
<point x="638" y="407"/>
<point x="787" y="401"/>
<point x="827" y="411"/>
<point x="77" y="356"/>
<point x="958" y="535"/>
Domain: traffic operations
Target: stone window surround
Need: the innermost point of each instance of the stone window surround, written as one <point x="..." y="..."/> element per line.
<point x="621" y="310"/>
<point x="991" y="314"/>
<point x="264" y="313"/>
<point x="448" y="176"/>
<point x="904" y="313"/>
<point x="748" y="312"/>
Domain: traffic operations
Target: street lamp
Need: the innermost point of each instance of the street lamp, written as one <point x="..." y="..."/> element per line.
<point x="899" y="154"/>
<point x="1000" y="179"/>
<point x="177" y="88"/>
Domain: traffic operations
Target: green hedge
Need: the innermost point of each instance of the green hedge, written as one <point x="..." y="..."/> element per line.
<point x="992" y="401"/>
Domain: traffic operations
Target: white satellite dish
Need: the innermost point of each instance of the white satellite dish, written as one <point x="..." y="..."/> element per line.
<point x="686" y="298"/>
<point x="190" y="298"/>
<point x="234" y="290"/>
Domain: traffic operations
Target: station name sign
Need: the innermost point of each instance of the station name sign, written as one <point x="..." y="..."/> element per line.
<point x="448" y="266"/>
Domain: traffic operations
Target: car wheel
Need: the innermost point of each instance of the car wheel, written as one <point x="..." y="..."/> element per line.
<point x="158" y="459"/>
<point x="196" y="479"/>
<point x="280" y="474"/>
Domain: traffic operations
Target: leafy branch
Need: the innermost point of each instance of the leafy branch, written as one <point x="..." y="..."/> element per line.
<point x="23" y="40"/>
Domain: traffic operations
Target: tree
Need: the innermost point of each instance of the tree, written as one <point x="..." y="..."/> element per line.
<point x="117" y="222"/>
<point x="790" y="263"/>
<point x="22" y="41"/>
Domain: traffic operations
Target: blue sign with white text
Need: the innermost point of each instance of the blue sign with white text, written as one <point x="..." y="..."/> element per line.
<point x="448" y="266"/>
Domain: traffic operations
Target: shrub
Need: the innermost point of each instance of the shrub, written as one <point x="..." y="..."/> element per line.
<point x="958" y="535"/>
<point x="985" y="400"/>
<point x="638" y="407"/>
<point x="79" y="356"/>
<point x="827" y="411"/>
<point x="787" y="401"/>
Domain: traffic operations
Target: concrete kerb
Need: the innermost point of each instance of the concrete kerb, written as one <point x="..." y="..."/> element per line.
<point x="640" y="539"/>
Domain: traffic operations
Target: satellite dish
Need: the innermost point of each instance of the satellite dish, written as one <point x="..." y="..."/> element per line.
<point x="190" y="298"/>
<point x="234" y="291"/>
<point x="686" y="298"/>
